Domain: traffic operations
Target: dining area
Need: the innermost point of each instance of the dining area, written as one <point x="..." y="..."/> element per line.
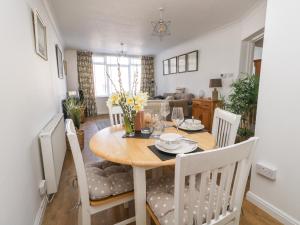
<point x="175" y="172"/>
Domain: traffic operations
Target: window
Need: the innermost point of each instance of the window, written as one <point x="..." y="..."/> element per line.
<point x="129" y="66"/>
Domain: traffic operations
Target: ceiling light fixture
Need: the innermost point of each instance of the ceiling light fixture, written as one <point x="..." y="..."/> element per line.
<point x="161" y="27"/>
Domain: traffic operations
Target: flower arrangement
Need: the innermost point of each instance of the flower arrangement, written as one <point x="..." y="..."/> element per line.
<point x="131" y="102"/>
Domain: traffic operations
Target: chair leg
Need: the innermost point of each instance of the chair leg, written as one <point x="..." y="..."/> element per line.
<point x="84" y="217"/>
<point x="148" y="219"/>
<point x="79" y="218"/>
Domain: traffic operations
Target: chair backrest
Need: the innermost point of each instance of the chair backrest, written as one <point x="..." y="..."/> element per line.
<point x="217" y="179"/>
<point x="78" y="161"/>
<point x="225" y="127"/>
<point x="116" y="115"/>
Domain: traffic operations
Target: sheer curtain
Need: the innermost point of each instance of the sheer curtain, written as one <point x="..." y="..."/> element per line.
<point x="86" y="80"/>
<point x="147" y="75"/>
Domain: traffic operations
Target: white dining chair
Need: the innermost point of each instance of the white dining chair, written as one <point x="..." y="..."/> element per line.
<point x="91" y="180"/>
<point x="201" y="196"/>
<point x="225" y="127"/>
<point x="116" y="115"/>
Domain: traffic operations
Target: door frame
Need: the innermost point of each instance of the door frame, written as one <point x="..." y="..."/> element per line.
<point x="247" y="52"/>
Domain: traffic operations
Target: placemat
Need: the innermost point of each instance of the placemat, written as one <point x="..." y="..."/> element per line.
<point x="193" y="131"/>
<point x="165" y="156"/>
<point x="138" y="134"/>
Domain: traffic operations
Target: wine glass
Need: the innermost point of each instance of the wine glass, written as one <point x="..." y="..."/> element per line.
<point x="164" y="110"/>
<point x="177" y="116"/>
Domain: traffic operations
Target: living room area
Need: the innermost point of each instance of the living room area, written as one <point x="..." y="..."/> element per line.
<point x="150" y="112"/>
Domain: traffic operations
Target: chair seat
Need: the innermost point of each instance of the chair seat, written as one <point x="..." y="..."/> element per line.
<point x="107" y="179"/>
<point x="160" y="199"/>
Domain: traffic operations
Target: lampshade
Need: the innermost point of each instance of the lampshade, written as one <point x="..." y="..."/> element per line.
<point x="214" y="83"/>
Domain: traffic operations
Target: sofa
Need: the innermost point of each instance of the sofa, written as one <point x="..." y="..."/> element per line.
<point x="176" y="99"/>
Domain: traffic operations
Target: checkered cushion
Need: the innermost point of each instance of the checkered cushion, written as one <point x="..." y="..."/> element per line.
<point x="106" y="179"/>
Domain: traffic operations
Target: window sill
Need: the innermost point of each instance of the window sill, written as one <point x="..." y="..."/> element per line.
<point x="102" y="96"/>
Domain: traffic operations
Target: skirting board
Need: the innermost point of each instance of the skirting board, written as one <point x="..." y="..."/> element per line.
<point x="272" y="210"/>
<point x="40" y="214"/>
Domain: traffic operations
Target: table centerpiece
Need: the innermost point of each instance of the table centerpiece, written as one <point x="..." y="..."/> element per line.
<point x="131" y="102"/>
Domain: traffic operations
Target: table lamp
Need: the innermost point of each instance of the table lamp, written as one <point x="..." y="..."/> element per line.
<point x="215" y="83"/>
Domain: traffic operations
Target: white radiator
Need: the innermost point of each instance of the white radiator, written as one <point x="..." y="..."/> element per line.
<point x="53" y="143"/>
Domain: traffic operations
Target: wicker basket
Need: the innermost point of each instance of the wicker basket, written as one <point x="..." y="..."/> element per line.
<point x="80" y="137"/>
<point x="82" y="114"/>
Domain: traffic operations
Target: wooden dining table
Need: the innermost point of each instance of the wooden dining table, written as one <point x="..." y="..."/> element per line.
<point x="109" y="144"/>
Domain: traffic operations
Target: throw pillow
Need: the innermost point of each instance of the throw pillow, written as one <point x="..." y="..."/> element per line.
<point x="180" y="90"/>
<point x="169" y="98"/>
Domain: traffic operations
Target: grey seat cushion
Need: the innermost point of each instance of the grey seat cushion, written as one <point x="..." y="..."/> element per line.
<point x="160" y="198"/>
<point x="107" y="179"/>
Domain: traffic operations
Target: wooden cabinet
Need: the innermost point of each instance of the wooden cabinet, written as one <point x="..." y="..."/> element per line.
<point x="257" y="66"/>
<point x="203" y="109"/>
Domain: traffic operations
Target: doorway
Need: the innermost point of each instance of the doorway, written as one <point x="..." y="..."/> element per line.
<point x="251" y="54"/>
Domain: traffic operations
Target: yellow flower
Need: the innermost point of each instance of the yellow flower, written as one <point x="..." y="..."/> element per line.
<point x="141" y="99"/>
<point x="129" y="101"/>
<point x="137" y="108"/>
<point x="115" y="99"/>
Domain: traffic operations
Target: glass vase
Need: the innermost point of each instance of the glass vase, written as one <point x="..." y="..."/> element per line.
<point x="129" y="125"/>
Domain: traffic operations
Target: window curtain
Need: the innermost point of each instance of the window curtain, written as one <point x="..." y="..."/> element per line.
<point x="147" y="75"/>
<point x="86" y="81"/>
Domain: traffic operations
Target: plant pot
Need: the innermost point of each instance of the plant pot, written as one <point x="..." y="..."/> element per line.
<point x="80" y="137"/>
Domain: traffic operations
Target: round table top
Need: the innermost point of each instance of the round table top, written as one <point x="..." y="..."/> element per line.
<point x="110" y="145"/>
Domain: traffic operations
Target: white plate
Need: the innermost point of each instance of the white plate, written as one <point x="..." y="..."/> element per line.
<point x="171" y="146"/>
<point x="196" y="128"/>
<point x="196" y="122"/>
<point x="169" y="137"/>
<point x="185" y="147"/>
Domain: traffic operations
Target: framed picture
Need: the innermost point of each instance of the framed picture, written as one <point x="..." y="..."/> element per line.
<point x="166" y="67"/>
<point x="59" y="60"/>
<point x="173" y="65"/>
<point x="65" y="68"/>
<point x="181" y="63"/>
<point x="192" y="61"/>
<point x="40" y="36"/>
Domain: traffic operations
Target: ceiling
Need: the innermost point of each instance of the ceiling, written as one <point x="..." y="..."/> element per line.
<point x="101" y="25"/>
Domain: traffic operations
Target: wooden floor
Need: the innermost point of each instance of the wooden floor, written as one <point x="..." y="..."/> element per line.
<point x="61" y="210"/>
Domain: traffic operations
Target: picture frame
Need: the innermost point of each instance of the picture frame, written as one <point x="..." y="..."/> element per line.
<point x="192" y="61"/>
<point x="173" y="65"/>
<point x="59" y="60"/>
<point x="40" y="36"/>
<point x="181" y="60"/>
<point x="166" y="67"/>
<point x="65" y="67"/>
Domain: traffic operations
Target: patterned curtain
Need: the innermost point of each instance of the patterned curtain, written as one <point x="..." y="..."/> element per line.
<point x="147" y="76"/>
<point x="86" y="81"/>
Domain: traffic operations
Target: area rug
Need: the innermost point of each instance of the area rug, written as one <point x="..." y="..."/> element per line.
<point x="101" y="124"/>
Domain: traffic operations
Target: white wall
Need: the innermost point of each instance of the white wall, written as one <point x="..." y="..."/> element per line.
<point x="101" y="105"/>
<point x="30" y="94"/>
<point x="72" y="72"/>
<point x="219" y="53"/>
<point x="278" y="121"/>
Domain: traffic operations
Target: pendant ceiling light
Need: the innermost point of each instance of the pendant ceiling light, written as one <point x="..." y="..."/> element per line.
<point x="122" y="52"/>
<point x="161" y="27"/>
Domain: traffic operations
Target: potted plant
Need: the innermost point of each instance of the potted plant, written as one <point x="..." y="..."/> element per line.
<point x="74" y="108"/>
<point x="243" y="101"/>
<point x="82" y="107"/>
